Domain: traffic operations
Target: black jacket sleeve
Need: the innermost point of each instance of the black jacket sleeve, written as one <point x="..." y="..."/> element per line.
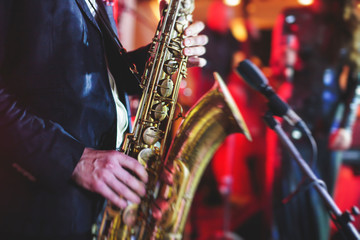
<point x="40" y="149"/>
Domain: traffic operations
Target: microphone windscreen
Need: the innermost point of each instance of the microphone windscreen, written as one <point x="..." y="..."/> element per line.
<point x="252" y="75"/>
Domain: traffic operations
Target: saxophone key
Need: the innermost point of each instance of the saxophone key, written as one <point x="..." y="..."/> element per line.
<point x="161" y="111"/>
<point x="166" y="88"/>
<point x="151" y="135"/>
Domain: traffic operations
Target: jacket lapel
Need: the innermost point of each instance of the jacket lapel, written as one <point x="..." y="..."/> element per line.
<point x="108" y="20"/>
<point x="85" y="9"/>
<point x="106" y="13"/>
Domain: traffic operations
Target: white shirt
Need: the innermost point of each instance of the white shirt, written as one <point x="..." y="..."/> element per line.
<point x="122" y="119"/>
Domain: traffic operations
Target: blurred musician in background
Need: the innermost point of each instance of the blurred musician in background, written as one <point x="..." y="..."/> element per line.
<point x="315" y="61"/>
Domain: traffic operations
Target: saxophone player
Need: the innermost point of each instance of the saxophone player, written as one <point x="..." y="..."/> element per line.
<point x="62" y="112"/>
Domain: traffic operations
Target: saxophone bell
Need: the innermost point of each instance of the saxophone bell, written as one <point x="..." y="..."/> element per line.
<point x="206" y="125"/>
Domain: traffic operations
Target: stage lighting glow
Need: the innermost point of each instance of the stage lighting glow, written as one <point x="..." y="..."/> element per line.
<point x="238" y="29"/>
<point x="306" y="2"/>
<point x="232" y="3"/>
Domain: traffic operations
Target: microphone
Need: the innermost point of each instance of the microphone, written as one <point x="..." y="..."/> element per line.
<point x="256" y="79"/>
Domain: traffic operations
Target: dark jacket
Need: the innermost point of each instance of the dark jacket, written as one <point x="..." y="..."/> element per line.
<point x="55" y="100"/>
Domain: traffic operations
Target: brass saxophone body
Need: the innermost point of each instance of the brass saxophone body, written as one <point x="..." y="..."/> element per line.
<point x="191" y="150"/>
<point x="160" y="82"/>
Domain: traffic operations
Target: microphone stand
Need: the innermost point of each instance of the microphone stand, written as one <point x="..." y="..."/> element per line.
<point x="341" y="220"/>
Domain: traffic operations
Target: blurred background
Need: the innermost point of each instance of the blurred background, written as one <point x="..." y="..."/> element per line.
<point x="138" y="19"/>
<point x="235" y="199"/>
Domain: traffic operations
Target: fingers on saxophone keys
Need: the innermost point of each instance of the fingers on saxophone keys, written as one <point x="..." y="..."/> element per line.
<point x="158" y="208"/>
<point x="102" y="188"/>
<point x="134" y="166"/>
<point x="115" y="182"/>
<point x="167" y="176"/>
<point x="162" y="5"/>
<point x="199" y="40"/>
<point x="194" y="51"/>
<point x="129" y="181"/>
<point x="194" y="28"/>
<point x="196" y="62"/>
<point x="128" y="187"/>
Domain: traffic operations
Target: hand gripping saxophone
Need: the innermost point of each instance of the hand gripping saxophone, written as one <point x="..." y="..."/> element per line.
<point x="201" y="132"/>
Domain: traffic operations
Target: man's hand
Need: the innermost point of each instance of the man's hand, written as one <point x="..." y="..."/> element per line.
<point x="340" y="139"/>
<point x="161" y="204"/>
<point x="195" y="44"/>
<point x="108" y="173"/>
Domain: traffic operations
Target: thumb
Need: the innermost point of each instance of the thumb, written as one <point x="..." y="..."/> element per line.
<point x="162" y="6"/>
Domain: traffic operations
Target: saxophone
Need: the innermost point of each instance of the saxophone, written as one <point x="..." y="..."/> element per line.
<point x="190" y="151"/>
